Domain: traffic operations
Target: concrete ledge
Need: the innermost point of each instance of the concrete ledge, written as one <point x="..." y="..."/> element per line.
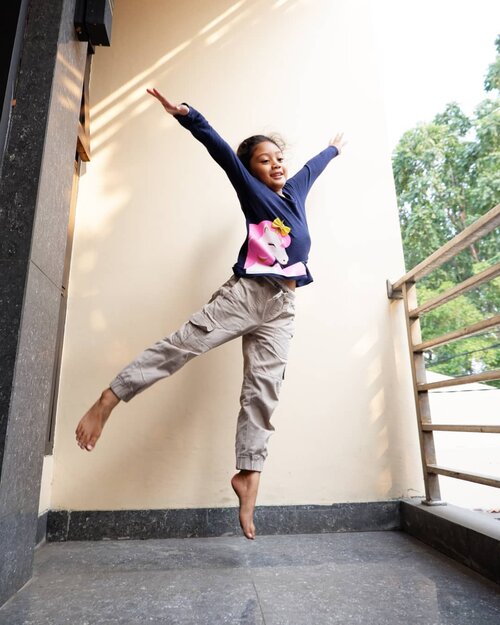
<point x="467" y="536"/>
<point x="65" y="525"/>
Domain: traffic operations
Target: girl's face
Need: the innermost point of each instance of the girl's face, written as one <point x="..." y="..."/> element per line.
<point x="268" y="165"/>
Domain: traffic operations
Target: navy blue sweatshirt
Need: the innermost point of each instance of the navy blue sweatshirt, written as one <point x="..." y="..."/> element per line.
<point x="277" y="242"/>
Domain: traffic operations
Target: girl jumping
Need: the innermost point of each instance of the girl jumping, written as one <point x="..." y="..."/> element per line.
<point x="256" y="303"/>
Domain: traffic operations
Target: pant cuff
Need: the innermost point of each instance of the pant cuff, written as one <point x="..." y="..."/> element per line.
<point x="250" y="463"/>
<point x="121" y="390"/>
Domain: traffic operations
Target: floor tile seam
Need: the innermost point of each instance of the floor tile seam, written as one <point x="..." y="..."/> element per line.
<point x="420" y="572"/>
<point x="342" y="535"/>
<point x="48" y="578"/>
<point x="258" y="598"/>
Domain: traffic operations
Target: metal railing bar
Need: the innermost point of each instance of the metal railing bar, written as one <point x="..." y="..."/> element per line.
<point x="440" y="427"/>
<point x="478" y="478"/>
<point x="456" y="291"/>
<point x="458" y="334"/>
<point x="472" y="233"/>
<point x="494" y="374"/>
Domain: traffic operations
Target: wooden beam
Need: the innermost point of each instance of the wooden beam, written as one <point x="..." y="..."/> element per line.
<point x="441" y="427"/>
<point x="83" y="141"/>
<point x="422" y="405"/>
<point x="478" y="478"/>
<point x="83" y="144"/>
<point x="456" y="291"/>
<point x="458" y="334"/>
<point x="480" y="228"/>
<point x="466" y="379"/>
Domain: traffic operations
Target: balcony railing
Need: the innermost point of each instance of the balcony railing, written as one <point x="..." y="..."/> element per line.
<point x="406" y="289"/>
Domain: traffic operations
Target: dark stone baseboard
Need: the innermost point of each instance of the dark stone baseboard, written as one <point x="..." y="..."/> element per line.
<point x="468" y="536"/>
<point x="65" y="525"/>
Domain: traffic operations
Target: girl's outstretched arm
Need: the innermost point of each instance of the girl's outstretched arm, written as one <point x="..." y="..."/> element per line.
<point x="217" y="147"/>
<point x="303" y="180"/>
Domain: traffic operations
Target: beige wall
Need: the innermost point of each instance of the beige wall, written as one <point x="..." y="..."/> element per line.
<point x="158" y="229"/>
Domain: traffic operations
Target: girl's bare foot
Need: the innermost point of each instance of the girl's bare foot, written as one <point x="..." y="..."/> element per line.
<point x="91" y="424"/>
<point x="246" y="485"/>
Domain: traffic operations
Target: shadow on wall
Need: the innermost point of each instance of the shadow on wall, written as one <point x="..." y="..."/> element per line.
<point x="127" y="101"/>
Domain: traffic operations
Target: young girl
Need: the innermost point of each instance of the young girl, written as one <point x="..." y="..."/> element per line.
<point x="256" y="303"/>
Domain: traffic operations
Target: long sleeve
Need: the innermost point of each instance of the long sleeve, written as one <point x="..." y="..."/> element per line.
<point x="303" y="180"/>
<point x="217" y="147"/>
<point x="286" y="254"/>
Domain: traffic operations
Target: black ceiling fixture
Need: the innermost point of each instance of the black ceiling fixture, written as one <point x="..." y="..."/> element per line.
<point x="93" y="20"/>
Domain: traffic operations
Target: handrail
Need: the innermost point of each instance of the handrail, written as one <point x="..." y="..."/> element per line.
<point x="448" y="427"/>
<point x="461" y="333"/>
<point x="471" y="283"/>
<point x="478" y="478"/>
<point x="477" y="230"/>
<point x="406" y="289"/>
<point x="485" y="376"/>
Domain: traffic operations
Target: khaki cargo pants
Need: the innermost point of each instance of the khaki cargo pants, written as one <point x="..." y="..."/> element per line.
<point x="260" y="310"/>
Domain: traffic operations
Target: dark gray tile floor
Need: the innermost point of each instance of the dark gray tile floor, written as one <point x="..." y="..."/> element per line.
<point x="372" y="578"/>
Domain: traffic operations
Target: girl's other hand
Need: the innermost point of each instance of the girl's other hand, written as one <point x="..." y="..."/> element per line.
<point x="173" y="109"/>
<point x="338" y="141"/>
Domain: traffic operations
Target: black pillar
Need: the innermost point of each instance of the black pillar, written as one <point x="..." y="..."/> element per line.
<point x="35" y="191"/>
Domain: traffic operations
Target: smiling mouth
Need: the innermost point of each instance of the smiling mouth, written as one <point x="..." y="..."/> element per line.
<point x="279" y="175"/>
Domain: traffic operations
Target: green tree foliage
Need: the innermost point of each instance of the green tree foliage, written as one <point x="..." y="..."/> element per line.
<point x="447" y="175"/>
<point x="492" y="80"/>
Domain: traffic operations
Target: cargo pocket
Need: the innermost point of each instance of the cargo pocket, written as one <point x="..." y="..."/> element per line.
<point x="202" y="321"/>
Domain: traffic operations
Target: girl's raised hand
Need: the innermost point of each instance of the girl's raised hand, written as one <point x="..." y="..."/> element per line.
<point x="338" y="141"/>
<point x="173" y="109"/>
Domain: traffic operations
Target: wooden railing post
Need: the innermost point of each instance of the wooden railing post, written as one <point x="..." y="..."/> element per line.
<point x="426" y="437"/>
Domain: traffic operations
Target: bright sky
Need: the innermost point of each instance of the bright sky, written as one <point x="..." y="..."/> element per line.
<point x="432" y="52"/>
